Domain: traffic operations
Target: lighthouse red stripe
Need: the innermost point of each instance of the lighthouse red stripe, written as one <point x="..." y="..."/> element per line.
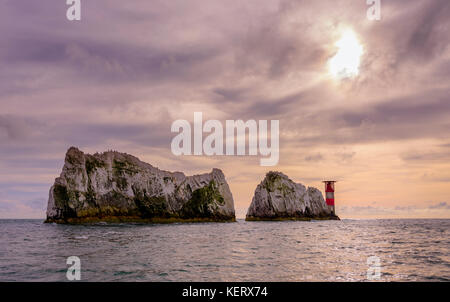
<point x="330" y="201"/>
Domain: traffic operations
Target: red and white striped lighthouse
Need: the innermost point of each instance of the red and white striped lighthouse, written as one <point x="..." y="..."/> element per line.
<point x="329" y="194"/>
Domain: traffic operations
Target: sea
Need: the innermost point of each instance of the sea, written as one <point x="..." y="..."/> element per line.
<point x="345" y="250"/>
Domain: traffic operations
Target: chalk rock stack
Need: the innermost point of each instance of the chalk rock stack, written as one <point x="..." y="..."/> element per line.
<point x="279" y="198"/>
<point x="114" y="186"/>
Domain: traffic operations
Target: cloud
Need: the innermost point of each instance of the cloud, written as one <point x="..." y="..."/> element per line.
<point x="441" y="205"/>
<point x="14" y="127"/>
<point x="121" y="76"/>
<point x="314" y="157"/>
<point x="426" y="156"/>
<point x="426" y="39"/>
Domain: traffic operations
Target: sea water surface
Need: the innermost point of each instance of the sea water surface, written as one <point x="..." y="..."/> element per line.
<point x="408" y="250"/>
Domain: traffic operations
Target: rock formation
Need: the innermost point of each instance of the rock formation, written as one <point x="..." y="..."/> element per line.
<point x="279" y="198"/>
<point x="115" y="186"/>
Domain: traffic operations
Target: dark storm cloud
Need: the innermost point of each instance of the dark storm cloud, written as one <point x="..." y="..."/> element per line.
<point x="85" y="134"/>
<point x="275" y="52"/>
<point x="424" y="115"/>
<point x="265" y="108"/>
<point x="249" y="103"/>
<point x="91" y="133"/>
<point x="413" y="33"/>
<point x="106" y="61"/>
<point x="416" y="109"/>
<point x="44" y="42"/>
<point x="428" y="33"/>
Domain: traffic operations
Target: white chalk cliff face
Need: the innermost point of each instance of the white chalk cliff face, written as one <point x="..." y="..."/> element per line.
<point x="277" y="197"/>
<point x="114" y="186"/>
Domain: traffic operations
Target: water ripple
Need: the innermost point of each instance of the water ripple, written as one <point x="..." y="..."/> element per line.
<point x="409" y="250"/>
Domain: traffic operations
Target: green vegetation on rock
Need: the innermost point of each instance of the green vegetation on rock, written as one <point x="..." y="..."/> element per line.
<point x="202" y="200"/>
<point x="123" y="167"/>
<point x="150" y="206"/>
<point x="60" y="195"/>
<point x="92" y="163"/>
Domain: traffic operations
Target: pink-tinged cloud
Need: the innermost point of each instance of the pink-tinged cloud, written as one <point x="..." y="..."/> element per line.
<point x="118" y="79"/>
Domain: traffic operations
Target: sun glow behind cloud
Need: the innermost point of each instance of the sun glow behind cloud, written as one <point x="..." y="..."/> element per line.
<point x="345" y="63"/>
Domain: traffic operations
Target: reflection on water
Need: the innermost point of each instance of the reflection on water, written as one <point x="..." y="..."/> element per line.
<point x="414" y="250"/>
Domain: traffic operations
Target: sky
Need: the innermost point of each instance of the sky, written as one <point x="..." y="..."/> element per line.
<point x="120" y="76"/>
